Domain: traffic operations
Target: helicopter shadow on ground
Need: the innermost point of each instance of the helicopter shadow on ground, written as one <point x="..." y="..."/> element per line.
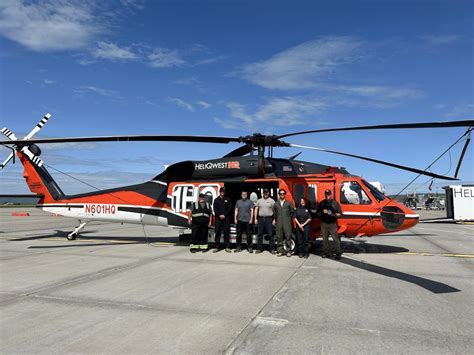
<point x="57" y="234"/>
<point x="109" y="240"/>
<point x="360" y="247"/>
<point x="430" y="285"/>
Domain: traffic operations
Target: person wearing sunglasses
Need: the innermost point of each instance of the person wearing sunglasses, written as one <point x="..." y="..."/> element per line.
<point x="284" y="213"/>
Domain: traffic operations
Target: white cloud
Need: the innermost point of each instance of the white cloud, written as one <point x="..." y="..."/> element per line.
<point x="181" y="103"/>
<point x="276" y="111"/>
<point x="465" y="111"/>
<point x="49" y="25"/>
<point x="441" y="39"/>
<point x="303" y="66"/>
<point x="210" y="60"/>
<point x="48" y="81"/>
<point x="97" y="90"/>
<point x="204" y="104"/>
<point x="108" y="50"/>
<point x="379" y="92"/>
<point x="165" y="58"/>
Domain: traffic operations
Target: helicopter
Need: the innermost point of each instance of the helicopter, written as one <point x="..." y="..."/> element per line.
<point x="166" y="199"/>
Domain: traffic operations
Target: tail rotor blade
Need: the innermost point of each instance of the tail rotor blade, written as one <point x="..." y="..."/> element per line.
<point x="6" y="161"/>
<point x="38" y="127"/>
<point x="9" y="134"/>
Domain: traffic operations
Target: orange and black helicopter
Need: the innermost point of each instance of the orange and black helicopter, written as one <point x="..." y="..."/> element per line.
<point x="165" y="199"/>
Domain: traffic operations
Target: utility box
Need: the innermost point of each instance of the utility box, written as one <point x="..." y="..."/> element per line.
<point x="460" y="202"/>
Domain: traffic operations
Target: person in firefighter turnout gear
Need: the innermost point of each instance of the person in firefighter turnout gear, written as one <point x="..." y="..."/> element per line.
<point x="200" y="220"/>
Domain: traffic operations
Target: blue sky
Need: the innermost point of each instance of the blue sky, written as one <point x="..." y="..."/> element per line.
<point x="232" y="68"/>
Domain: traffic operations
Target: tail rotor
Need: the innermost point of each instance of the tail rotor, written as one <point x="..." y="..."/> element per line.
<point x="32" y="152"/>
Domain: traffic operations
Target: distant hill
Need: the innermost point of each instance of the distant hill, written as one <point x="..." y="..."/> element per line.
<point x="18" y="199"/>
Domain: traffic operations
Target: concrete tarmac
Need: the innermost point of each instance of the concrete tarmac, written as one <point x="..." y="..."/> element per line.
<point x="114" y="291"/>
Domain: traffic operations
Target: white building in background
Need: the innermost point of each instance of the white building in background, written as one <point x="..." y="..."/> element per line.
<point x="460" y="202"/>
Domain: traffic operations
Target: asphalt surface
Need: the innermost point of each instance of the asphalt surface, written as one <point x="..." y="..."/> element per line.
<point x="114" y="291"/>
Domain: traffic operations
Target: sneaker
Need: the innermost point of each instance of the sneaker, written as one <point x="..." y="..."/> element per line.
<point x="250" y="250"/>
<point x="238" y="250"/>
<point x="273" y="252"/>
<point x="215" y="250"/>
<point x="306" y="256"/>
<point x="325" y="256"/>
<point x="288" y="254"/>
<point x="193" y="250"/>
<point x="338" y="257"/>
<point x="300" y="256"/>
<point x="228" y="250"/>
<point x="280" y="254"/>
<point x="259" y="252"/>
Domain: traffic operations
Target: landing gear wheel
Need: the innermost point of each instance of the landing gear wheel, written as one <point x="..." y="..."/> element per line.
<point x="292" y="244"/>
<point x="71" y="236"/>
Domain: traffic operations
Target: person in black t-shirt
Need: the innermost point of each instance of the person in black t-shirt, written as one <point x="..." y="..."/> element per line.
<point x="329" y="210"/>
<point x="303" y="228"/>
<point x="222" y="211"/>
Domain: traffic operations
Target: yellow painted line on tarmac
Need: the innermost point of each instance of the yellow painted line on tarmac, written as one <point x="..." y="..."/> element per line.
<point x="452" y="255"/>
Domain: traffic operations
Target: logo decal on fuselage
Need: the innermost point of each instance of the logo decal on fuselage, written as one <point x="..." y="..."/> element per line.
<point x="184" y="195"/>
<point x="218" y="165"/>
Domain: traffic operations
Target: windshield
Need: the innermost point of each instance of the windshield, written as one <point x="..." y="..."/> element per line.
<point x="373" y="190"/>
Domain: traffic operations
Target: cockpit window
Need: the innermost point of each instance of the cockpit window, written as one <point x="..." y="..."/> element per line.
<point x="374" y="191"/>
<point x="352" y="194"/>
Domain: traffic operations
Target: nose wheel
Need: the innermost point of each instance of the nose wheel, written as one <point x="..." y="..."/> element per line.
<point x="73" y="235"/>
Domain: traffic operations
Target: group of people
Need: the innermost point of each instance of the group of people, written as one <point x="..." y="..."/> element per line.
<point x="265" y="213"/>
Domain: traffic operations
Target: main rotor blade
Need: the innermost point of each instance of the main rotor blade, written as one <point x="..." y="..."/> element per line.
<point x="466" y="123"/>
<point x="143" y="138"/>
<point x="462" y="156"/>
<point x="240" y="151"/>
<point x="402" y="167"/>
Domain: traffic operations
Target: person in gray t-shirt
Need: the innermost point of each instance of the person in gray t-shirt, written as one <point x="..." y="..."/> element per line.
<point x="243" y="216"/>
<point x="264" y="213"/>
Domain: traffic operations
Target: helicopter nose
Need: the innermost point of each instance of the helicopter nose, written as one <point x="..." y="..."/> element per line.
<point x="396" y="217"/>
<point x="411" y="219"/>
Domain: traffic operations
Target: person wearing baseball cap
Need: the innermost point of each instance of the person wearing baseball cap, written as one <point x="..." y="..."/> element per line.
<point x="329" y="210"/>
<point x="222" y="211"/>
<point x="264" y="215"/>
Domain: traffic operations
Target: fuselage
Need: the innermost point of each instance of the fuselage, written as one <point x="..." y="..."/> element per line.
<point x="366" y="212"/>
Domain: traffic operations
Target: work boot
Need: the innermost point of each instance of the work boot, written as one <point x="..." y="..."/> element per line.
<point x="338" y="257"/>
<point x="228" y="250"/>
<point x="306" y="256"/>
<point x="238" y="250"/>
